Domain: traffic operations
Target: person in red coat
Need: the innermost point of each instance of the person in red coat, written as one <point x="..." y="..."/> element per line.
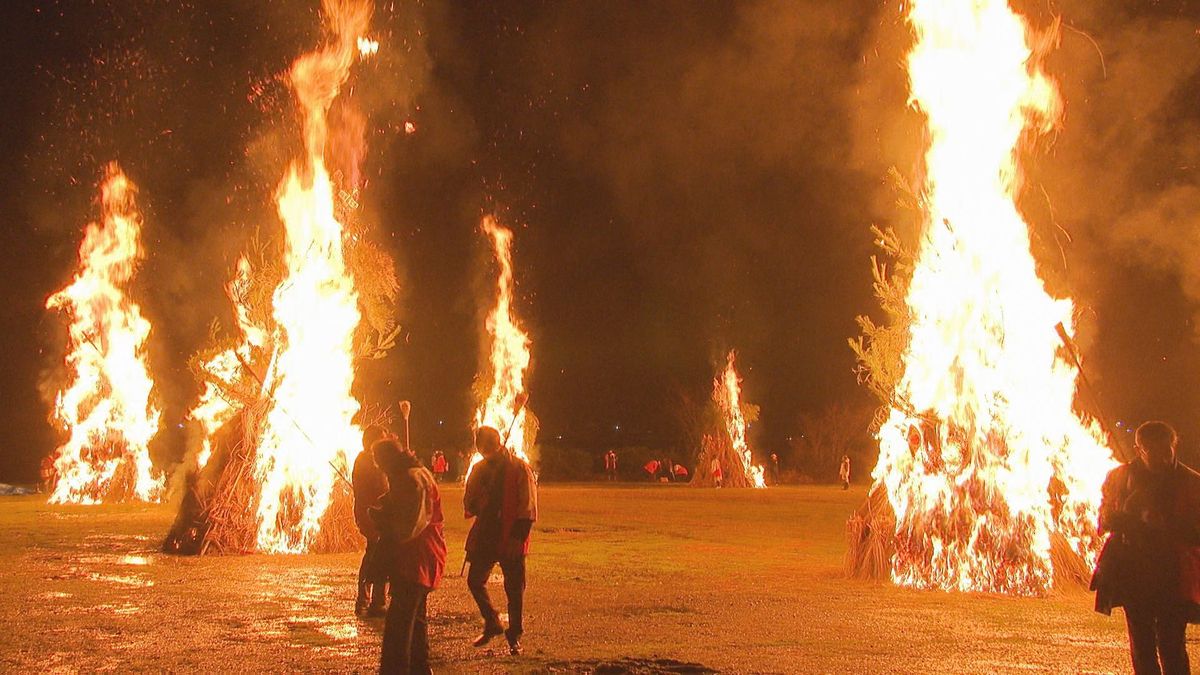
<point x="413" y="550"/>
<point x="439" y="465"/>
<point x="1150" y="564"/>
<point x="369" y="484"/>
<point x="501" y="495"/>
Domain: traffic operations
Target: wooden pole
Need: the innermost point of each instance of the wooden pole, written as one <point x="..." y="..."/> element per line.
<point x="1090" y="392"/>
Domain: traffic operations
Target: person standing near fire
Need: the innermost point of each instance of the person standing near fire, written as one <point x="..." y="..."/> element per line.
<point x="440" y="466"/>
<point x="369" y="485"/>
<point x="610" y="465"/>
<point x="1150" y="564"/>
<point x="844" y="472"/>
<point x="718" y="476"/>
<point x="412" y="550"/>
<point x="501" y="495"/>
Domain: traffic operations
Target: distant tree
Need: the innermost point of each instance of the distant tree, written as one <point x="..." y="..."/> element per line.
<point x="825" y="436"/>
<point x="879" y="349"/>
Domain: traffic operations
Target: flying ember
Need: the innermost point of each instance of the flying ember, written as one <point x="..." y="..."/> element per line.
<point x="106" y="406"/>
<point x="501" y="388"/>
<point x="985" y="463"/>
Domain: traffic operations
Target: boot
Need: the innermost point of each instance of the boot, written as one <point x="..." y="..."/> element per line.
<point x="490" y="630"/>
<point x="378" y="605"/>
<point x="360" y="603"/>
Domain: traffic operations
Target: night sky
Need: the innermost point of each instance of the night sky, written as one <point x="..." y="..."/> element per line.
<point x="683" y="178"/>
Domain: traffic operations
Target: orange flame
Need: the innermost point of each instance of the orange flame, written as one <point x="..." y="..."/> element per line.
<point x="982" y="456"/>
<point x="727" y="393"/>
<point x="106" y="406"/>
<point x="308" y="440"/>
<point x="508" y="356"/>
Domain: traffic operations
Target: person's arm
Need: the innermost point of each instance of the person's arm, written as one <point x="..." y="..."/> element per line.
<point x="1112" y="517"/>
<point x="472" y="493"/>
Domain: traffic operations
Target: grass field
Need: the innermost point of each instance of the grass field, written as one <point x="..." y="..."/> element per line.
<point x="658" y="578"/>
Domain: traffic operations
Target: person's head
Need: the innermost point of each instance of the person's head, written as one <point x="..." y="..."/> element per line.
<point x="1155" y="443"/>
<point x="487" y="441"/>
<point x="372" y="434"/>
<point x="392" y="458"/>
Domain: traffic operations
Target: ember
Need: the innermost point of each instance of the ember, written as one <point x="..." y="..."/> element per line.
<point x="106" y="407"/>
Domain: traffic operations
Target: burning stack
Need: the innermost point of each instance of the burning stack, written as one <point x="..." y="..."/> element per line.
<point x="105" y="406"/>
<point x="500" y="390"/>
<point x="279" y="422"/>
<point x="728" y="445"/>
<point x="987" y="479"/>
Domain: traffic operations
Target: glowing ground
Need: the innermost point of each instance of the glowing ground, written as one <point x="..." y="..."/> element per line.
<point x="655" y="579"/>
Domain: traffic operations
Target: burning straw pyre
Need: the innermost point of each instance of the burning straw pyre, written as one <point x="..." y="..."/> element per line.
<point x="280" y="425"/>
<point x="106" y="405"/>
<point x="987" y="479"/>
<point x="728" y="444"/>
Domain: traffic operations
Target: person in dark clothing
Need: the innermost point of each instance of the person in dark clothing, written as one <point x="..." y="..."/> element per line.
<point x="412" y="548"/>
<point x="369" y="485"/>
<point x="501" y="495"/>
<point x="1150" y="564"/>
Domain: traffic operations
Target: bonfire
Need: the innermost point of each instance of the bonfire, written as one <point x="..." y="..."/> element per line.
<point x="728" y="443"/>
<point x="500" y="389"/>
<point x="279" y="425"/>
<point x="106" y="405"/>
<point x="988" y="479"/>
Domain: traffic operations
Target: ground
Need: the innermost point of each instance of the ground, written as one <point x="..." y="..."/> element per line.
<point x="645" y="578"/>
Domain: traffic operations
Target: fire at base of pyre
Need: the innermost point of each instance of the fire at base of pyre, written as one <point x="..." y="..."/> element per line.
<point x="873" y="543"/>
<point x="219" y="511"/>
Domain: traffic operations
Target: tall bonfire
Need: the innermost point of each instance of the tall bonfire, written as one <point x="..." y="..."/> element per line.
<point x="279" y="424"/>
<point x="106" y="407"/>
<point x="728" y="444"/>
<point x="988" y="479"/>
<point x="500" y="387"/>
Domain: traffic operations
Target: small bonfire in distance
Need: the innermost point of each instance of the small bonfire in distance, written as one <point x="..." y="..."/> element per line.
<point x="106" y="405"/>
<point x="728" y="445"/>
<point x="500" y="389"/>
<point x="280" y="426"/>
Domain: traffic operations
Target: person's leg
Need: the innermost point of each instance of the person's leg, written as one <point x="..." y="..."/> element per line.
<point x="420" y="637"/>
<point x="514" y="588"/>
<point x="1171" y="629"/>
<point x="396" y="656"/>
<point x="1143" y="643"/>
<point x="360" y="602"/>
<point x="477" y="578"/>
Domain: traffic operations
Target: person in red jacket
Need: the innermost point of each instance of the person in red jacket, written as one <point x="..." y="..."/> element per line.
<point x="413" y="548"/>
<point x="501" y="495"/>
<point x="1151" y="563"/>
<point x="369" y="484"/>
<point x="439" y="465"/>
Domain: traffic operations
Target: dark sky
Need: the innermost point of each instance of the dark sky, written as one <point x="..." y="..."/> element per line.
<point x="683" y="177"/>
